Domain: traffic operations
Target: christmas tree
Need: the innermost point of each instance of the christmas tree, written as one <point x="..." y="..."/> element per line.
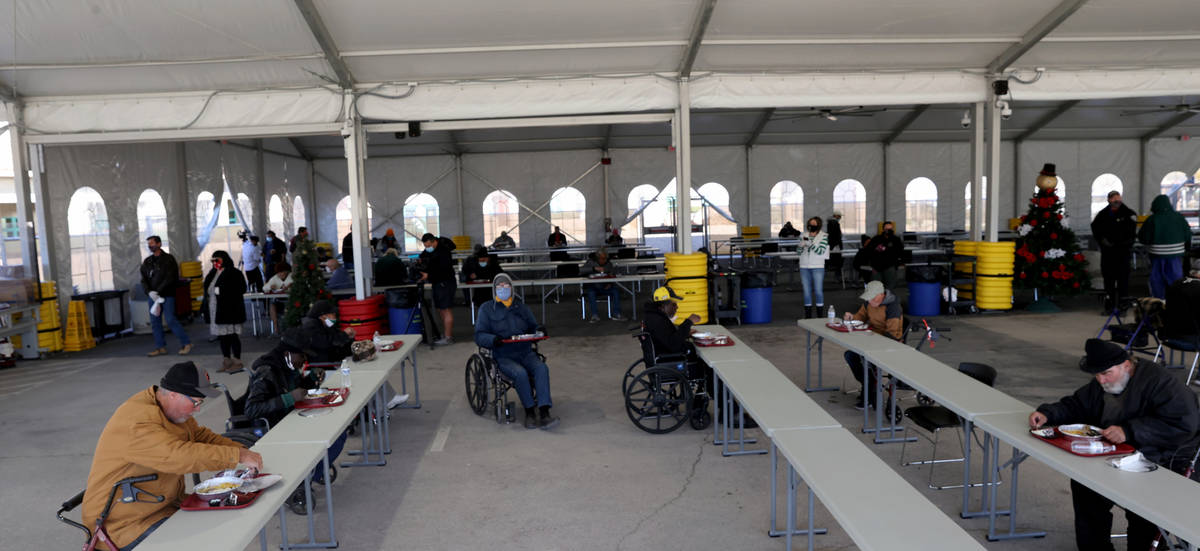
<point x="1048" y="257"/>
<point x="307" y="284"/>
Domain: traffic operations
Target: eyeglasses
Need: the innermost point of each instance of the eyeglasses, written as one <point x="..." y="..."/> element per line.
<point x="196" y="402"/>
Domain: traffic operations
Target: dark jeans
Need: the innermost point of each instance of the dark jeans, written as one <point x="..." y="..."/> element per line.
<point x="145" y="534"/>
<point x="167" y="314"/>
<point x="1114" y="268"/>
<point x="855" y="361"/>
<point x="520" y="370"/>
<point x="254" y="280"/>
<point x="1093" y="522"/>
<point x="611" y="291"/>
<point x="335" y="449"/>
<point x="231" y="346"/>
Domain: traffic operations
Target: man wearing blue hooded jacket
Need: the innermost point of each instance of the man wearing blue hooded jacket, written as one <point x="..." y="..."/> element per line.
<point x="500" y="319"/>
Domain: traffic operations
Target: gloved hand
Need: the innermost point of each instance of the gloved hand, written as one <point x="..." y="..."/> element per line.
<point x="217" y="291"/>
<point x="542" y="329"/>
<point x="154" y="296"/>
<point x="497" y="342"/>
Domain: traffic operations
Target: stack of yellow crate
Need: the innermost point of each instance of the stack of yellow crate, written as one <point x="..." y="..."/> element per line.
<point x="966" y="291"/>
<point x="192" y="271"/>
<point x="694" y="292"/>
<point x="79" y="329"/>
<point x="462" y="242"/>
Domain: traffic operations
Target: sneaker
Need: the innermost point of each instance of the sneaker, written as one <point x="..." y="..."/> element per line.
<point x="185" y="350"/>
<point x="531" y="421"/>
<point x="594" y="319"/>
<point x="319" y="476"/>
<point x="618" y="317"/>
<point x="858" y="404"/>
<point x="548" y="422"/>
<point x="296" y="502"/>
<point x="397" y="400"/>
<point x="444" y="341"/>
<point x="157" y="352"/>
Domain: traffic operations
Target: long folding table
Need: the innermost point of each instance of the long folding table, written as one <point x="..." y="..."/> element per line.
<point x="859" y="342"/>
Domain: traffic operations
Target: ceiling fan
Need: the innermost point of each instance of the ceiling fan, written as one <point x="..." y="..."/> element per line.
<point x="1179" y="108"/>
<point x="835" y="114"/>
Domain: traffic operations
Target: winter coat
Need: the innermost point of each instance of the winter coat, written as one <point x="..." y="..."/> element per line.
<point x="1166" y="233"/>
<point x="348" y="249"/>
<point x="496" y="321"/>
<point x="835" y="235"/>
<point x="556" y="240"/>
<point x="269" y="395"/>
<point x="788" y="232"/>
<point x="439" y="264"/>
<point x="328" y="344"/>
<point x="390" y="270"/>
<point x="667" y="337"/>
<point x="160" y="274"/>
<point x="1157" y="412"/>
<point x="884" y="252"/>
<point x="504" y="242"/>
<point x="1181" y="319"/>
<point x="887" y="319"/>
<point x="1115" y="230"/>
<point x="139" y="440"/>
<point x="814" y="251"/>
<point x="231" y="307"/>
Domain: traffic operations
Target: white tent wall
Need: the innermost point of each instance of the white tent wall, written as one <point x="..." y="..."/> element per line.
<point x="817" y="169"/>
<point x="286" y="177"/>
<point x="119" y="173"/>
<point x="203" y="162"/>
<point x="725" y="166"/>
<point x="1167" y="155"/>
<point x="1078" y="163"/>
<point x="631" y="168"/>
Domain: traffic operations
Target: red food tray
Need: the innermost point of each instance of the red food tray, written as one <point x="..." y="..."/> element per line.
<point x="712" y="343"/>
<point x="1064" y="443"/>
<point x="845" y="329"/>
<point x="194" y="502"/>
<point x="391" y="346"/>
<point x="534" y="339"/>
<point x="314" y="403"/>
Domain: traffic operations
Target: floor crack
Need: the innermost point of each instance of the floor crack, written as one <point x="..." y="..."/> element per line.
<point x="687" y="481"/>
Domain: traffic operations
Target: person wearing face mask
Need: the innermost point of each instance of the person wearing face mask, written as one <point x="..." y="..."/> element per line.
<point x="439" y="272"/>
<point x="325" y="342"/>
<point x="481" y="266"/>
<point x="814" y="251"/>
<point x="885" y="250"/>
<point x="224" y="287"/>
<point x="160" y="274"/>
<point x="339" y="277"/>
<point x="279" y="379"/>
<point x="1115" y="229"/>
<point x="1133" y="401"/>
<point x="502" y="318"/>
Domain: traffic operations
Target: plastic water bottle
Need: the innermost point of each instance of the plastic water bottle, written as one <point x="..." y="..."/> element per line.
<point x="1091" y="447"/>
<point x="377" y="341"/>
<point x="832" y="314"/>
<point x="346" y="373"/>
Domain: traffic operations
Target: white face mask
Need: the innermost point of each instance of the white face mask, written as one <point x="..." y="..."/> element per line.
<point x="287" y="360"/>
<point x="329" y="322"/>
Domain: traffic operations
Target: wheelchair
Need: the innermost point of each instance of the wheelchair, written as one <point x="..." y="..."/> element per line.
<point x="129" y="494"/>
<point x="487" y="386"/>
<point x="665" y="392"/>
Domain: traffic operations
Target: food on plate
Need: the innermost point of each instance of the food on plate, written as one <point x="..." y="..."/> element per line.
<point x="702" y="335"/>
<point x="1080" y="431"/>
<point x="319" y="392"/>
<point x="219" y="485"/>
<point x="1044" y="433"/>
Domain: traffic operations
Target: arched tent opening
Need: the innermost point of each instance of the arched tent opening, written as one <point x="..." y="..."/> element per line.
<point x="152" y="219"/>
<point x="850" y="198"/>
<point x="275" y="220"/>
<point x="983" y="210"/>
<point x="787" y="205"/>
<point x="920" y="205"/>
<point x="342" y="214"/>
<point x="421" y="216"/>
<point x="640" y="198"/>
<point x="501" y="212"/>
<point x="247" y="210"/>
<point x="1101" y="187"/>
<point x="568" y="210"/>
<point x="298" y="218"/>
<point x="715" y="198"/>
<point x="222" y="225"/>
<point x="1184" y="194"/>
<point x="87" y="226"/>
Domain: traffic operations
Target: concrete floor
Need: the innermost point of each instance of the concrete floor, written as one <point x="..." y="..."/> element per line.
<point x="595" y="482"/>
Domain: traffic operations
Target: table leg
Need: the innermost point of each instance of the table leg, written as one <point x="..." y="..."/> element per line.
<point x="718" y="428"/>
<point x="283" y="529"/>
<point x="415" y="403"/>
<point x="880" y="405"/>
<point x="791" y="506"/>
<point x="262" y="538"/>
<point x="866" y="368"/>
<point x="372" y="436"/>
<point x="1014" y="465"/>
<point x="774" y="532"/>
<point x="967" y="428"/>
<point x="741" y="441"/>
<point x="820" y="366"/>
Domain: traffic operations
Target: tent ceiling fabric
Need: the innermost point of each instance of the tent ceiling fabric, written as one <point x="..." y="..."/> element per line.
<point x="475" y="59"/>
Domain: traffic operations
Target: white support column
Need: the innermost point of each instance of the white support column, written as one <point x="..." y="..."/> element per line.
<point x="310" y="204"/>
<point x="607" y="200"/>
<point x="978" y="167"/>
<point x="993" y="163"/>
<point x="462" y="213"/>
<point x="749" y="178"/>
<point x="25" y="213"/>
<point x="683" y="173"/>
<point x="354" y="141"/>
<point x="260" y="191"/>
<point x="42" y="216"/>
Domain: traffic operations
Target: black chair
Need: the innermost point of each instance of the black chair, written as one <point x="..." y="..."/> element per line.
<point x="559" y="256"/>
<point x="934" y="418"/>
<point x="129" y="494"/>
<point x="626" y="253"/>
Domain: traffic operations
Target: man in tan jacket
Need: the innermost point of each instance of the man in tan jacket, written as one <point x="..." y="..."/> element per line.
<point x="153" y="432"/>
<point x="881" y="312"/>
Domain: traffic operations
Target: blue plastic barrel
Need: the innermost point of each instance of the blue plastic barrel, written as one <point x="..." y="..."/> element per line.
<point x="756" y="305"/>
<point x="404" y="321"/>
<point x="924" y="299"/>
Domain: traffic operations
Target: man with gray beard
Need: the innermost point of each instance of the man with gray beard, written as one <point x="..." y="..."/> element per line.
<point x="1133" y="401"/>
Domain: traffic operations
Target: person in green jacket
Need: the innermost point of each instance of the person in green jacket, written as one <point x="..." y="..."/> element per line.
<point x="1167" y="236"/>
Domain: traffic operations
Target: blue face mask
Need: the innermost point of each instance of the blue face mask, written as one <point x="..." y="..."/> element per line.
<point x="483" y="264"/>
<point x="428" y="249"/>
<point x="503" y="293"/>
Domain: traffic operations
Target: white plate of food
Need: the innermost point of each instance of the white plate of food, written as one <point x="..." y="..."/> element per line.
<point x="1080" y="432"/>
<point x="702" y="335"/>
<point x="855" y="324"/>
<point x="315" y="393"/>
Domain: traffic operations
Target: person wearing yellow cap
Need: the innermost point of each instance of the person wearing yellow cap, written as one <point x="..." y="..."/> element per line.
<point x="659" y="321"/>
<point x="387" y="242"/>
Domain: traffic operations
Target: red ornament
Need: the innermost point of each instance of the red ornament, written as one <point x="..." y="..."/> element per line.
<point x="312" y="267"/>
<point x="1075" y="285"/>
<point x="1022" y="275"/>
<point x="1033" y="223"/>
<point x="1045" y="215"/>
<point x="296" y="304"/>
<point x="1062" y="267"/>
<point x="1042" y="254"/>
<point x="1053" y="236"/>
<point x="1059" y="217"/>
<point x="1079" y="257"/>
<point x="1044" y="274"/>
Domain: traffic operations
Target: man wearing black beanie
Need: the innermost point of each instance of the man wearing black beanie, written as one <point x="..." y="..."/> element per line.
<point x="1133" y="401"/>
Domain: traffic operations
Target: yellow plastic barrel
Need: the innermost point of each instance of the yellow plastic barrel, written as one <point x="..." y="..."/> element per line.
<point x="462" y="242"/>
<point x="694" y="292"/>
<point x="751" y="232"/>
<point x="189" y="269"/>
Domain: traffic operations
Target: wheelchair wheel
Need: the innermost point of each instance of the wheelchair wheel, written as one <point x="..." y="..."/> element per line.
<point x="658" y="400"/>
<point x="629" y="375"/>
<point x="244" y="437"/>
<point x="701" y="418"/>
<point x="476" y="382"/>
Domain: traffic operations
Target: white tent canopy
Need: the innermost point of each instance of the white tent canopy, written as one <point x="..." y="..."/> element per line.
<point x="218" y="65"/>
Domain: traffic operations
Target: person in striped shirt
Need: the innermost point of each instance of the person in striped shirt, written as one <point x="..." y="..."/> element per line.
<point x="1167" y="237"/>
